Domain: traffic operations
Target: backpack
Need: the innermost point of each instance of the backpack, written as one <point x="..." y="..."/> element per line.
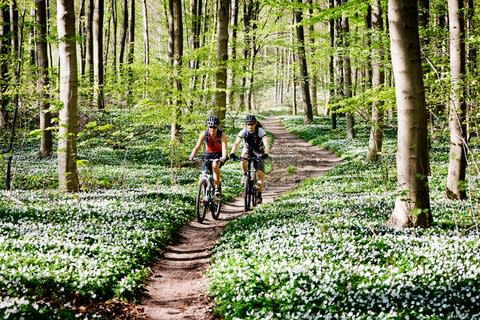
<point x="256" y="144"/>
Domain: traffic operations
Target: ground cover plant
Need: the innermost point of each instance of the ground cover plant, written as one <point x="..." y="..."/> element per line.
<point x="323" y="251"/>
<point x="63" y="254"/>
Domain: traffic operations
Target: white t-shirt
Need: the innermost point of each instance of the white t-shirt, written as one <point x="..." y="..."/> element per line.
<point x="253" y="141"/>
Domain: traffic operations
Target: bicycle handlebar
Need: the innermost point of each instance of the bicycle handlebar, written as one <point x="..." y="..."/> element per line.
<point x="256" y="158"/>
<point x="207" y="160"/>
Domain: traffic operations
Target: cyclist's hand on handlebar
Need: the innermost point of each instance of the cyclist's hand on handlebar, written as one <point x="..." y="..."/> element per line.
<point x="223" y="159"/>
<point x="264" y="156"/>
<point x="233" y="156"/>
<point x="191" y="158"/>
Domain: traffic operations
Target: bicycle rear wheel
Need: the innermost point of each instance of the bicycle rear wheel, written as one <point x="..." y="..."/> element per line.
<point x="201" y="201"/>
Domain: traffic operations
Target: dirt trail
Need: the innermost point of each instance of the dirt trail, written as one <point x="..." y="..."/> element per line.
<point x="177" y="287"/>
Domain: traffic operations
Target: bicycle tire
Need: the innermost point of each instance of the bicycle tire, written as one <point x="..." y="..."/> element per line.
<point x="246" y="193"/>
<point x="200" y="203"/>
<point x="253" y="191"/>
<point x="213" y="203"/>
<point x="215" y="208"/>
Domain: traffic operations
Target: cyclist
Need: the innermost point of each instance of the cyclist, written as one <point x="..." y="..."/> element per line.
<point x="255" y="143"/>
<point x="215" y="148"/>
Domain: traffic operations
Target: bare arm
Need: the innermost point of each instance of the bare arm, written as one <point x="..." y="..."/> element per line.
<point x="235" y="144"/>
<point x="200" y="140"/>
<point x="224" y="146"/>
<point x="266" y="144"/>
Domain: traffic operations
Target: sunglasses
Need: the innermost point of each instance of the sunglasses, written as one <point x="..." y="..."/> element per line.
<point x="250" y="123"/>
<point x="213" y="127"/>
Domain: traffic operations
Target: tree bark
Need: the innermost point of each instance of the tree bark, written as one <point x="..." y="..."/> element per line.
<point x="46" y="141"/>
<point x="457" y="164"/>
<point x="347" y="74"/>
<point x="98" y="71"/>
<point x="176" y="47"/>
<point x="303" y="68"/>
<point x="412" y="207"/>
<point x="67" y="134"/>
<point x="123" y="32"/>
<point x="222" y="56"/>
<point x="331" y="65"/>
<point x="4" y="63"/>
<point x="378" y="77"/>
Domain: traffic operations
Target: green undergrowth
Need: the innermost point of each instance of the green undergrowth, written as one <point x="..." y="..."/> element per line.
<point x="61" y="253"/>
<point x="323" y="251"/>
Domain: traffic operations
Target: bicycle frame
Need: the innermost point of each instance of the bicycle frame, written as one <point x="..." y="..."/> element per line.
<point x="206" y="195"/>
<point x="250" y="186"/>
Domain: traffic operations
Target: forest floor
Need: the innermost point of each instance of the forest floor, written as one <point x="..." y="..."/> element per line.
<point x="177" y="288"/>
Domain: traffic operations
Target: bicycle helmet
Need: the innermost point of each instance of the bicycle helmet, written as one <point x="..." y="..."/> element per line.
<point x="250" y="118"/>
<point x="213" y="121"/>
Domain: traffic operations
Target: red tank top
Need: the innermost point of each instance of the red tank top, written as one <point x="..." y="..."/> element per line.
<point x="214" y="144"/>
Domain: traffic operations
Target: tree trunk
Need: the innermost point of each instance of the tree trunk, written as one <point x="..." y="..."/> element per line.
<point x="46" y="142"/>
<point x="67" y="133"/>
<point x="146" y="46"/>
<point x="146" y="41"/>
<point x="114" y="39"/>
<point x="82" y="35"/>
<point x="233" y="50"/>
<point x="378" y="77"/>
<point x="412" y="207"/>
<point x="347" y="76"/>
<point x="457" y="164"/>
<point x="331" y="65"/>
<point x="247" y="51"/>
<point x="89" y="44"/>
<point x="123" y="32"/>
<point x="98" y="71"/>
<point x="4" y="63"/>
<point x="176" y="43"/>
<point x="303" y="69"/>
<point x="222" y="56"/>
<point x="314" y="72"/>
<point x="196" y="14"/>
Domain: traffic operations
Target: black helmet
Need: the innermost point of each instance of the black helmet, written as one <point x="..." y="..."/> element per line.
<point x="250" y="118"/>
<point x="213" y="121"/>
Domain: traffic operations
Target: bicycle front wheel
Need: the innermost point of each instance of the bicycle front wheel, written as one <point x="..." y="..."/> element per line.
<point x="246" y="193"/>
<point x="253" y="193"/>
<point x="215" y="208"/>
<point x="201" y="201"/>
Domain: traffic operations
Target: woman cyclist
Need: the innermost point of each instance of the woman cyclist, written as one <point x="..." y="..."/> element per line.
<point x="255" y="143"/>
<point x="215" y="142"/>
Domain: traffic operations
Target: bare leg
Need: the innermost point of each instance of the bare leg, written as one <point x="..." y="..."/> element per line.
<point x="260" y="180"/>
<point x="216" y="174"/>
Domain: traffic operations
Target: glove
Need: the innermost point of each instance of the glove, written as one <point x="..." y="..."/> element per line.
<point x="233" y="156"/>
<point x="264" y="156"/>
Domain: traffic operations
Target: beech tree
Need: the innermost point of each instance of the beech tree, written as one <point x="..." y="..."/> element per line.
<point x="302" y="63"/>
<point x="46" y="142"/>
<point x="378" y="77"/>
<point x="98" y="71"/>
<point x="412" y="206"/>
<point x="175" y="50"/>
<point x="67" y="133"/>
<point x="222" y="56"/>
<point x="457" y="116"/>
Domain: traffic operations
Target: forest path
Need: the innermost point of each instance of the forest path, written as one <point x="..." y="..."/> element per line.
<point x="177" y="288"/>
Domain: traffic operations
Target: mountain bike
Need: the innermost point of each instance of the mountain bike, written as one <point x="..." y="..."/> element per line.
<point x="250" y="183"/>
<point x="206" y="199"/>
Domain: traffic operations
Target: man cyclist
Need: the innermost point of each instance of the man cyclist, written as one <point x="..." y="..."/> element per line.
<point x="215" y="148"/>
<point x="255" y="143"/>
